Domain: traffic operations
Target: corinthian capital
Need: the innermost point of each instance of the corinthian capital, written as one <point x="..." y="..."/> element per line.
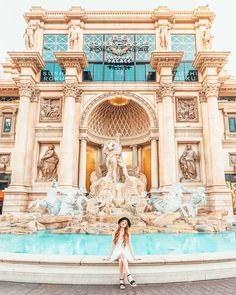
<point x="210" y="88"/>
<point x="165" y="89"/>
<point x="27" y="89"/>
<point x="72" y="89"/>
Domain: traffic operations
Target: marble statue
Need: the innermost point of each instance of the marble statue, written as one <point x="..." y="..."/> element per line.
<point x="187" y="163"/>
<point x="73" y="37"/>
<point x="198" y="197"/>
<point x="206" y="37"/>
<point x="51" y="203"/>
<point x="48" y="164"/>
<point x="114" y="162"/>
<point x="118" y="187"/>
<point x="29" y="36"/>
<point x="72" y="203"/>
<point x="173" y="202"/>
<point x="164" y="36"/>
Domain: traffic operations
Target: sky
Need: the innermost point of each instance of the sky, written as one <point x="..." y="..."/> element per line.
<point x="12" y="23"/>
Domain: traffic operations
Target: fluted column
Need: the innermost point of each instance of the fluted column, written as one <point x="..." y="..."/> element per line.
<point x="135" y="155"/>
<point x="154" y="167"/>
<point x="140" y="158"/>
<point x="167" y="135"/>
<point x="19" y="157"/>
<point x="210" y="89"/>
<point x="67" y="157"/>
<point x="82" y="164"/>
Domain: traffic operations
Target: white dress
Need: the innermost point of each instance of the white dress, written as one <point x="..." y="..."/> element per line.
<point x="119" y="248"/>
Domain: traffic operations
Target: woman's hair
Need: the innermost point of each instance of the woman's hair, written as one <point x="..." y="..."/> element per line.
<point x="125" y="236"/>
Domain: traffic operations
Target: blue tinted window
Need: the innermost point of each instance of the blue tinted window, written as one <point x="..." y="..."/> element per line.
<point x="120" y="57"/>
<point x="232" y="125"/>
<point x="7" y="125"/>
<point x="185" y="43"/>
<point x="52" y="71"/>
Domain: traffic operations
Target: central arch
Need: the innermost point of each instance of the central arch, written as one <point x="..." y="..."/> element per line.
<point x="127" y="113"/>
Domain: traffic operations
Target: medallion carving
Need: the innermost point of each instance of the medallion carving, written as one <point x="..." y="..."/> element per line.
<point x="50" y="110"/>
<point x="5" y="160"/>
<point x="186" y="110"/>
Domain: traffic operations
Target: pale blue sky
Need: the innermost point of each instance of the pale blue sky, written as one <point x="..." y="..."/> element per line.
<point x="12" y="23"/>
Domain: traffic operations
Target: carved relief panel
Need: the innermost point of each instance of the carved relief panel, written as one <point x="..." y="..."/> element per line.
<point x="50" y="110"/>
<point x="48" y="161"/>
<point x="186" y="109"/>
<point x="189" y="162"/>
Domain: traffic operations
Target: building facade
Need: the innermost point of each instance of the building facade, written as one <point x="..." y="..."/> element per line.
<point x="84" y="76"/>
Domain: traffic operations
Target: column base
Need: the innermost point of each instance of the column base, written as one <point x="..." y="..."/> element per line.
<point x="220" y="198"/>
<point x="16" y="199"/>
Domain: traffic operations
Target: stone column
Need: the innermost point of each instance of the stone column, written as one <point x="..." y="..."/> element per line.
<point x="67" y="155"/>
<point x="135" y="155"/>
<point x="17" y="194"/>
<point x="82" y="164"/>
<point x="140" y="158"/>
<point x="26" y="92"/>
<point x="165" y="63"/>
<point x="209" y="64"/>
<point x="73" y="63"/>
<point x="154" y="171"/>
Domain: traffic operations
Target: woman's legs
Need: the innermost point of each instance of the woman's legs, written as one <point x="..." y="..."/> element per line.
<point x="125" y="263"/>
<point x="121" y="269"/>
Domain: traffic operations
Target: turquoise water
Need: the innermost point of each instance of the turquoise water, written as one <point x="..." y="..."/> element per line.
<point x="145" y="244"/>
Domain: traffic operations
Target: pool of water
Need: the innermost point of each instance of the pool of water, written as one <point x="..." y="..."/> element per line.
<point x="145" y="244"/>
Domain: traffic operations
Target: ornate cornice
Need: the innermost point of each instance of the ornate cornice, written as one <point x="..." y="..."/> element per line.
<point x="72" y="59"/>
<point x="165" y="59"/>
<point x="71" y="89"/>
<point x="27" y="89"/>
<point x="26" y="59"/>
<point x="210" y="59"/>
<point x="210" y="88"/>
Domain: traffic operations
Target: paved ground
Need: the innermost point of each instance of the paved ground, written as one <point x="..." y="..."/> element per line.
<point x="214" y="287"/>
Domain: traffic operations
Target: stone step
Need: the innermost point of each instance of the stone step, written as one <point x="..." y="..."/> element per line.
<point x="94" y="270"/>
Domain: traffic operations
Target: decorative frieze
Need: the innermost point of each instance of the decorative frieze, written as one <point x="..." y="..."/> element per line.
<point x="186" y="110"/>
<point x="50" y="110"/>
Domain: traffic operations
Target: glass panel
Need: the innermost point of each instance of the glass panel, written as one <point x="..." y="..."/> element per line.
<point x="184" y="43"/>
<point x="7" y="125"/>
<point x="52" y="73"/>
<point x="54" y="43"/>
<point x="88" y="73"/>
<point x="140" y="72"/>
<point x="108" y="73"/>
<point x="232" y="125"/>
<point x="129" y="73"/>
<point x="143" y="40"/>
<point x="190" y="72"/>
<point x="58" y="73"/>
<point x="179" y="74"/>
<point x="93" y="41"/>
<point x="150" y="73"/>
<point x="97" y="74"/>
<point x="119" y="73"/>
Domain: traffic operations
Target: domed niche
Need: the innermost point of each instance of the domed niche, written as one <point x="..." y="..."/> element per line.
<point x="118" y="115"/>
